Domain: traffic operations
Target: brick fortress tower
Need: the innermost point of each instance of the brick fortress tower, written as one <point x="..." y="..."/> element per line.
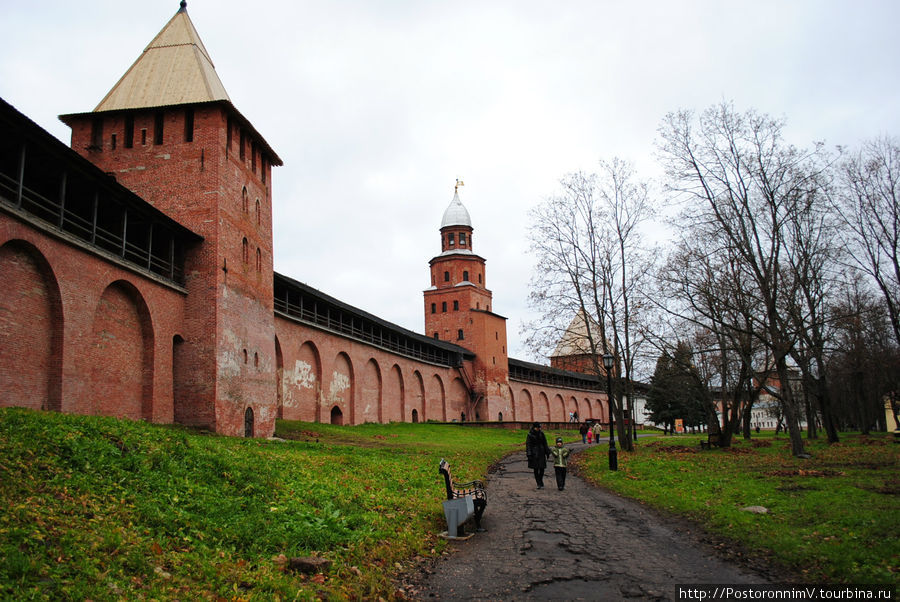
<point x="458" y="310"/>
<point x="168" y="131"/>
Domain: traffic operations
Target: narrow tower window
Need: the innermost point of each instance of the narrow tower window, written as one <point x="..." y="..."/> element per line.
<point x="446" y="276"/>
<point x="244" y="199"/>
<point x="112" y="141"/>
<point x="455" y="305"/>
<point x="245" y="250"/>
<point x="189" y="125"/>
<point x="451" y="239"/>
<point x="129" y="131"/>
<point x="465" y="276"/>
<point x="258" y="260"/>
<point x="143" y="136"/>
<point x="97" y="133"/>
<point x="459" y="335"/>
<point x="158" y="127"/>
<point x="258" y="218"/>
<point x="444" y="306"/>
<point x="462" y="239"/>
<point x="434" y="308"/>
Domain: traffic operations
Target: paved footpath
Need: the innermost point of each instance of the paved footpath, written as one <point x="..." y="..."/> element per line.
<point x="582" y="543"/>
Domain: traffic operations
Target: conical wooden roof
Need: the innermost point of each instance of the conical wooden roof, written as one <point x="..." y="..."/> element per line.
<point x="575" y="340"/>
<point x="174" y="69"/>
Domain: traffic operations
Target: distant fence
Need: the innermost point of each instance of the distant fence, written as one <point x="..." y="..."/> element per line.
<point x="518" y="425"/>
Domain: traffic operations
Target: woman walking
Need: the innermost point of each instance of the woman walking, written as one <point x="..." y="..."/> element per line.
<point x="537" y="451"/>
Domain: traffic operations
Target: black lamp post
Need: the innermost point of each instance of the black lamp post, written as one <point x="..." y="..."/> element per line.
<point x="613" y="454"/>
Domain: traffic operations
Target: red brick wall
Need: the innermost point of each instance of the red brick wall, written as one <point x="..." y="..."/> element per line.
<point x="113" y="329"/>
<point x="394" y="388"/>
<point x="577" y="363"/>
<point x="117" y="357"/>
<point x="370" y="407"/>
<point x="488" y="341"/>
<point x="299" y="382"/>
<point x="457" y="401"/>
<point x="415" y="399"/>
<point x="535" y="402"/>
<point x="118" y="334"/>
<point x="448" y="275"/>
<point x="103" y="338"/>
<point x="208" y="187"/>
<point x="30" y="327"/>
<point x="321" y="370"/>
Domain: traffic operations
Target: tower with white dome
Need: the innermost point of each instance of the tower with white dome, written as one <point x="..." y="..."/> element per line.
<point x="458" y="309"/>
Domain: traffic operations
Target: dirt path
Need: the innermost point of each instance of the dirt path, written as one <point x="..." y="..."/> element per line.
<point x="578" y="544"/>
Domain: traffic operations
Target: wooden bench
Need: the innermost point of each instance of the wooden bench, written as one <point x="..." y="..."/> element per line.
<point x="711" y="439"/>
<point x="471" y="489"/>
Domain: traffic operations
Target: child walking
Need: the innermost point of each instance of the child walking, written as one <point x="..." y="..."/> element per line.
<point x="560" y="456"/>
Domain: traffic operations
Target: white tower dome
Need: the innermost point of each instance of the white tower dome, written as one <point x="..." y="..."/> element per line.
<point x="456" y="214"/>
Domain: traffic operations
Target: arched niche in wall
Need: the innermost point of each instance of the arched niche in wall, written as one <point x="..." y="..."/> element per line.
<point x="119" y="355"/>
<point x="32" y="317"/>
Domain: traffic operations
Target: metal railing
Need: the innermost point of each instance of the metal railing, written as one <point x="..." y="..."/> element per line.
<point x="56" y="215"/>
<point x="355" y="327"/>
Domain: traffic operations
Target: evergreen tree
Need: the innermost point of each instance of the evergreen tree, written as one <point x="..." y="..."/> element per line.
<point x="677" y="390"/>
<point x="660" y="397"/>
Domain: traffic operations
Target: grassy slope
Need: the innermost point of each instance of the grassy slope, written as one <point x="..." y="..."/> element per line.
<point x="831" y="518"/>
<point x="99" y="508"/>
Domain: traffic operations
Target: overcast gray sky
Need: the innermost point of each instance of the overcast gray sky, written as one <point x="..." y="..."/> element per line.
<point x="376" y="107"/>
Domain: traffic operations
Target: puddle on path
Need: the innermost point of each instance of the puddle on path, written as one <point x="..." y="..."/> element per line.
<point x="578" y="589"/>
<point x="541" y="536"/>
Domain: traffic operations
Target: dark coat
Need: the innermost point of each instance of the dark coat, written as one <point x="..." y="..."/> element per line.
<point x="536" y="448"/>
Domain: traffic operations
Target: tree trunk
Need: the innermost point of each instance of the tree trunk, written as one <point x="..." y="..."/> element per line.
<point x="823" y="397"/>
<point x="625" y="443"/>
<point x="810" y="415"/>
<point x="789" y="409"/>
<point x="748" y="415"/>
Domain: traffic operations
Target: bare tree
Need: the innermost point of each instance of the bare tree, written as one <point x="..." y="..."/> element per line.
<point x="589" y="263"/>
<point x="701" y="286"/>
<point x="868" y="202"/>
<point x="813" y="252"/>
<point x="743" y="184"/>
<point x="864" y="364"/>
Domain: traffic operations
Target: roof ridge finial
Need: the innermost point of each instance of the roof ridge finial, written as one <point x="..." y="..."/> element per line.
<point x="458" y="184"/>
<point x="183" y="6"/>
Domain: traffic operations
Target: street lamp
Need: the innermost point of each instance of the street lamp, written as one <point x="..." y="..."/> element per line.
<point x="613" y="454"/>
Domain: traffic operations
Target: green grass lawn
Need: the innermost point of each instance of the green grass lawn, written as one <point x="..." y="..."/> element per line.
<point x="104" y="509"/>
<point x="100" y="508"/>
<point x="832" y="518"/>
